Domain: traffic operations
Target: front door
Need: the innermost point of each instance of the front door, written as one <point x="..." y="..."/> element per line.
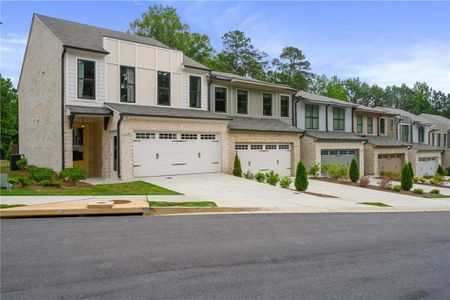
<point x="80" y="148"/>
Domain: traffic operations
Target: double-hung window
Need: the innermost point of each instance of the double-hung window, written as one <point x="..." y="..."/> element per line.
<point x="383" y="126"/>
<point x="284" y="106"/>
<point x="127" y="84"/>
<point x="311" y="116"/>
<point x="220" y="99"/>
<point x="242" y="102"/>
<point x="86" y="79"/>
<point x="267" y="104"/>
<point x="195" y="88"/>
<point x="338" y="118"/>
<point x="438" y="139"/>
<point x="421" y="134"/>
<point x="359" y="124"/>
<point x="163" y="88"/>
<point x="405" y="133"/>
<point x="369" y="125"/>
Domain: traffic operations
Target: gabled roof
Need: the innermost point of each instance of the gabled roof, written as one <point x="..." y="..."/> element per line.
<point x="338" y="136"/>
<point x="90" y="38"/>
<point x="310" y="97"/>
<point x="237" y="78"/>
<point x="436" y="119"/>
<point x="385" y="141"/>
<point x="404" y="113"/>
<point x="259" y="124"/>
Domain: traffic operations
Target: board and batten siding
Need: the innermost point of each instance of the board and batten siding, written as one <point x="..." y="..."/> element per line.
<point x="185" y="88"/>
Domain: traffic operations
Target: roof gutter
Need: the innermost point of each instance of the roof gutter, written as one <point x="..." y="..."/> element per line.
<point x="63" y="156"/>
<point x="86" y="49"/>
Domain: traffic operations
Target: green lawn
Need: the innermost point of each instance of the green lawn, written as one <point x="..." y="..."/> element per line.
<point x="185" y="204"/>
<point x="379" y="204"/>
<point x="435" y="196"/>
<point x="125" y="188"/>
<point x="2" y="206"/>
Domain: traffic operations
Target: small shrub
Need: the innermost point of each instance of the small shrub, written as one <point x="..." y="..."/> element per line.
<point x="397" y="188"/>
<point x="440" y="171"/>
<point x="364" y="181"/>
<point x="385" y="182"/>
<point x="406" y="180"/>
<point x="40" y="174"/>
<point x="272" y="177"/>
<point x="392" y="175"/>
<point x="237" y="170"/>
<point x="72" y="174"/>
<point x="47" y="182"/>
<point x="314" y="170"/>
<point x="24" y="181"/>
<point x="22" y="164"/>
<point x="437" y="179"/>
<point x="14" y="180"/>
<point x="285" y="182"/>
<point x="57" y="183"/>
<point x="422" y="180"/>
<point x="336" y="171"/>
<point x="434" y="191"/>
<point x="418" y="191"/>
<point x="260" y="177"/>
<point x="448" y="170"/>
<point x="301" y="178"/>
<point x="415" y="179"/>
<point x="249" y="175"/>
<point x="354" y="171"/>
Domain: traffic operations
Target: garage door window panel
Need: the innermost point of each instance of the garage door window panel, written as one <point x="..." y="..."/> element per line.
<point x="338" y="118"/>
<point x="220" y="94"/>
<point x="242" y="102"/>
<point x="163" y="88"/>
<point x="311" y="116"/>
<point x="267" y="104"/>
<point x="195" y="88"/>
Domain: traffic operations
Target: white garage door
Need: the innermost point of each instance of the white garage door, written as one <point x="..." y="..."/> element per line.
<point x="157" y="154"/>
<point x="427" y="166"/>
<point x="265" y="157"/>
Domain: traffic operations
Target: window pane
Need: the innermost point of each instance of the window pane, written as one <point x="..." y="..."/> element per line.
<point x="127" y="80"/>
<point x="194" y="91"/>
<point x="242" y="102"/>
<point x="220" y="99"/>
<point x="284" y="106"/>
<point x="338" y="118"/>
<point x="86" y="79"/>
<point x="370" y="125"/>
<point x="267" y="104"/>
<point x="382" y="131"/>
<point x="164" y="88"/>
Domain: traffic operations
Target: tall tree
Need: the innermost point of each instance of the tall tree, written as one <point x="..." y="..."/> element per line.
<point x="240" y="57"/>
<point x="441" y="103"/>
<point x="9" y="116"/>
<point x="163" y="24"/>
<point x="291" y="68"/>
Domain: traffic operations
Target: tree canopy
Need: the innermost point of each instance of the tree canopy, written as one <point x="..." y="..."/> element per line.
<point x="9" y="116"/>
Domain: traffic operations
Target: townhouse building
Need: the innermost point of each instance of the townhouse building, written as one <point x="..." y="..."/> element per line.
<point x="440" y="135"/>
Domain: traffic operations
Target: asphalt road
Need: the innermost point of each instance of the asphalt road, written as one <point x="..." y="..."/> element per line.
<point x="282" y="256"/>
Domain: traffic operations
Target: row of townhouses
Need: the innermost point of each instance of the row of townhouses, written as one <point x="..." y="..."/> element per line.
<point x="124" y="106"/>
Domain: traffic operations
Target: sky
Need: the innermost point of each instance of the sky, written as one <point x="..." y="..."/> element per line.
<point x="382" y="43"/>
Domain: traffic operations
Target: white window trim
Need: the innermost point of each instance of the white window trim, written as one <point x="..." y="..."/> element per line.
<point x="95" y="81"/>
<point x="289" y="108"/>
<point x="248" y="100"/>
<point x="272" y="105"/>
<point x="189" y="92"/>
<point x="226" y="99"/>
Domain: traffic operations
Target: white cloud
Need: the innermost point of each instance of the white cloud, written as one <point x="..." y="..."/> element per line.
<point x="428" y="61"/>
<point x="12" y="51"/>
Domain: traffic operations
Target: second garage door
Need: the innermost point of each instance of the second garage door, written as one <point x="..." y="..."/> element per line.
<point x="265" y="157"/>
<point x="344" y="156"/>
<point x="390" y="162"/>
<point x="158" y="154"/>
<point x="427" y="166"/>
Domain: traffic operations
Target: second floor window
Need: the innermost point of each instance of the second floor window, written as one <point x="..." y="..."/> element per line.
<point x="242" y="102"/>
<point x="267" y="104"/>
<point x="338" y="118"/>
<point x="284" y="106"/>
<point x="382" y="126"/>
<point x="405" y="133"/>
<point x="369" y="125"/>
<point x="163" y="88"/>
<point x="195" y="88"/>
<point x="220" y="99"/>
<point x="391" y="125"/>
<point x="438" y="139"/>
<point x="86" y="79"/>
<point x="421" y="134"/>
<point x="127" y="84"/>
<point x="311" y="116"/>
<point x="359" y="124"/>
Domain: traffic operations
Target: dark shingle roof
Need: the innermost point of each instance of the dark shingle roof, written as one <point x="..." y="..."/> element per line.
<point x="377" y="110"/>
<point x="436" y="119"/>
<point x="425" y="147"/>
<point x="322" y="99"/>
<point x="233" y="77"/>
<point x="404" y="113"/>
<point x="87" y="37"/>
<point x="385" y="141"/>
<point x="335" y="136"/>
<point x="166" y="112"/>
<point x="89" y="110"/>
<point x="258" y="124"/>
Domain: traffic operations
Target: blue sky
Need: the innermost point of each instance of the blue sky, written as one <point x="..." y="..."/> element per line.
<point x="381" y="42"/>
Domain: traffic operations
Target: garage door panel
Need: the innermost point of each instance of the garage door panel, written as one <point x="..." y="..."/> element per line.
<point x="333" y="156"/>
<point x="391" y="162"/>
<point x="265" y="157"/>
<point x="427" y="166"/>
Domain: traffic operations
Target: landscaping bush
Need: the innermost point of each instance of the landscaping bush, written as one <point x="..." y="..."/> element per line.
<point x="14" y="180"/>
<point x="434" y="191"/>
<point x="47" y="183"/>
<point x="24" y="181"/>
<point x="406" y="180"/>
<point x="364" y="181"/>
<point x="285" y="182"/>
<point x="272" y="177"/>
<point x="422" y="180"/>
<point x="354" y="171"/>
<point x="336" y="171"/>
<point x="72" y="174"/>
<point x="249" y="175"/>
<point x="392" y="175"/>
<point x="385" y="182"/>
<point x="416" y="179"/>
<point x="418" y="191"/>
<point x="314" y="170"/>
<point x="448" y="170"/>
<point x="397" y="188"/>
<point x="22" y="164"/>
<point x="436" y="180"/>
<point x="440" y="171"/>
<point x="411" y="169"/>
<point x="237" y="170"/>
<point x="260" y="177"/>
<point x="301" y="178"/>
<point x="40" y="174"/>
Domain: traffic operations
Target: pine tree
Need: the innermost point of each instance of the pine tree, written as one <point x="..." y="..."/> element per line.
<point x="237" y="170"/>
<point x="301" y="177"/>
<point x="440" y="171"/>
<point x="411" y="169"/>
<point x="406" y="181"/>
<point x="354" y="171"/>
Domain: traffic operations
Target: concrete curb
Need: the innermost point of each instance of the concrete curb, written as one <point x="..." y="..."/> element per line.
<point x="30" y="213"/>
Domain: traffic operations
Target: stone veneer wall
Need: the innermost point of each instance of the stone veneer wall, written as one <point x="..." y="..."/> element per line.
<point x="308" y="151"/>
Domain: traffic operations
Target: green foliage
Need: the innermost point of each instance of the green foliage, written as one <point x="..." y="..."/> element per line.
<point x="285" y="182"/>
<point x="422" y="180"/>
<point x="249" y="175"/>
<point x="418" y="191"/>
<point x="434" y="191"/>
<point x="272" y="177"/>
<point x="9" y="125"/>
<point x="40" y="174"/>
<point x="22" y="164"/>
<point x="406" y="178"/>
<point x="411" y="169"/>
<point x="354" y="171"/>
<point x="437" y="179"/>
<point x="14" y="180"/>
<point x="415" y="179"/>
<point x="314" y="170"/>
<point x="73" y="174"/>
<point x="336" y="171"/>
<point x="448" y="171"/>
<point x="301" y="178"/>
<point x="440" y="171"/>
<point x="260" y="177"/>
<point x="237" y="170"/>
<point x="392" y="175"/>
<point x="23" y="180"/>
<point x="397" y="188"/>
<point x="56" y="183"/>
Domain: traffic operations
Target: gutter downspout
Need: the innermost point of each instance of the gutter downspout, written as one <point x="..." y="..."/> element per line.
<point x="397" y="130"/>
<point x="294" y="110"/>
<point x="63" y="156"/>
<point x="411" y="133"/>
<point x="326" y="117"/>
<point x="378" y="125"/>
<point x="118" y="146"/>
<point x="353" y="119"/>
<point x="209" y="89"/>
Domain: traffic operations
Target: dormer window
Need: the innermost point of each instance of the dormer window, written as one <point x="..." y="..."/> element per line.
<point x="86" y="79"/>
